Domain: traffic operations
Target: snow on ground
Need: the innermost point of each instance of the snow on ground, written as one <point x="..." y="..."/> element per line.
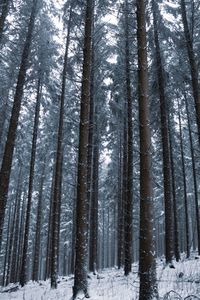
<point x="183" y="280"/>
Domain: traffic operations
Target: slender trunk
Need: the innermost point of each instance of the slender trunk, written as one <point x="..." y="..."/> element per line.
<point x="91" y="134"/>
<point x="23" y="275"/>
<point x="128" y="207"/>
<point x="10" y="142"/>
<point x="124" y="176"/>
<point x="49" y="234"/>
<point x="80" y="281"/>
<point x="35" y="271"/>
<point x="93" y="267"/>
<point x="73" y="235"/>
<point x="147" y="266"/>
<point x="165" y="145"/>
<point x="194" y="176"/>
<point x="184" y="186"/>
<point x="120" y="209"/>
<point x="175" y="208"/>
<point x="193" y="64"/>
<point x="58" y="170"/>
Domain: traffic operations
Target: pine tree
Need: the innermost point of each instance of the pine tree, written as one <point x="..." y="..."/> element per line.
<point x="80" y="280"/>
<point x="147" y="271"/>
<point x="165" y="143"/>
<point x="58" y="170"/>
<point x="128" y="206"/>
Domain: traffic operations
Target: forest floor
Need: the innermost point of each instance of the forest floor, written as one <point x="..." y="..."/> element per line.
<point x="181" y="282"/>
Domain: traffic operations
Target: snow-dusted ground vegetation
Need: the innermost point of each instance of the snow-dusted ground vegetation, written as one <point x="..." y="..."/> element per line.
<point x="180" y="282"/>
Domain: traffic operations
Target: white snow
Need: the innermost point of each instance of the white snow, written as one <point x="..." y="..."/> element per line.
<point x="111" y="284"/>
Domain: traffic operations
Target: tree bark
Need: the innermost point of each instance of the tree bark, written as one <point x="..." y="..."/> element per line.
<point x="147" y="267"/>
<point x="120" y="209"/>
<point x="58" y="170"/>
<point x="165" y="144"/>
<point x="10" y="142"/>
<point x="128" y="207"/>
<point x="49" y="234"/>
<point x="80" y="281"/>
<point x="184" y="186"/>
<point x="175" y="208"/>
<point x="93" y="262"/>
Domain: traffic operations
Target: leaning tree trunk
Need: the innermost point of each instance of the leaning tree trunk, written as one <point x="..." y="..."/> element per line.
<point x="193" y="64"/>
<point x="10" y="142"/>
<point x="165" y="144"/>
<point x="128" y="205"/>
<point x="58" y="170"/>
<point x="23" y="272"/>
<point x="147" y="267"/>
<point x="80" y="281"/>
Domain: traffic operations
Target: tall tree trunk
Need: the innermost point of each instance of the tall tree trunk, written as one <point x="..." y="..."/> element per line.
<point x="193" y="64"/>
<point x="184" y="186"/>
<point x="124" y="174"/>
<point x="10" y="142"/>
<point x="4" y="6"/>
<point x="90" y="160"/>
<point x="73" y="231"/>
<point x="147" y="267"/>
<point x="80" y="281"/>
<point x="175" y="208"/>
<point x="49" y="233"/>
<point x="194" y="176"/>
<point x="93" y="266"/>
<point x="23" y="275"/>
<point x="35" y="271"/>
<point x="120" y="209"/>
<point x="165" y="144"/>
<point x="128" y="207"/>
<point x="58" y="170"/>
